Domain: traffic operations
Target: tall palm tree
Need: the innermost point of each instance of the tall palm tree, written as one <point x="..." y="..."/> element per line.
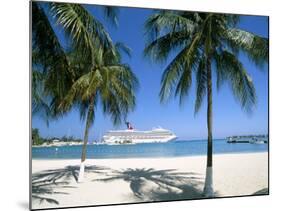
<point x="109" y="82"/>
<point x="90" y="71"/>
<point x="196" y="41"/>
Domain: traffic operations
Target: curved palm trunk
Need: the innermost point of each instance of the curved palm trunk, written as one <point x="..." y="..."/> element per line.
<point x="208" y="188"/>
<point x="86" y="135"/>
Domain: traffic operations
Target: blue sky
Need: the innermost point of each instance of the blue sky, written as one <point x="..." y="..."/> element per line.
<point x="228" y="117"/>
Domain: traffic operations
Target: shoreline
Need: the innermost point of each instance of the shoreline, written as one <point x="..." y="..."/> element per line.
<point x="156" y="157"/>
<point x="114" y="181"/>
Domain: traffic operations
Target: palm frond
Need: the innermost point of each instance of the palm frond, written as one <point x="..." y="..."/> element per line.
<point x="254" y="46"/>
<point x="160" y="48"/>
<point x="86" y="32"/>
<point x="123" y="71"/>
<point x="232" y="70"/>
<point x="177" y="75"/>
<point x="46" y="48"/>
<point x="81" y="90"/>
<point x="166" y="21"/>
<point x="113" y="56"/>
<point x="121" y="47"/>
<point x="40" y="104"/>
<point x="117" y="91"/>
<point x="111" y="13"/>
<point x="232" y="19"/>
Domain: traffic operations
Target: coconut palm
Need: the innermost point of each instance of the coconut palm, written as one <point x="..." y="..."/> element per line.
<point x="89" y="71"/>
<point x="109" y="82"/>
<point x="196" y="41"/>
<point x="50" y="63"/>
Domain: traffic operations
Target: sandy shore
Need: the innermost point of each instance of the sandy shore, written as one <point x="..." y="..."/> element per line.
<point x="114" y="181"/>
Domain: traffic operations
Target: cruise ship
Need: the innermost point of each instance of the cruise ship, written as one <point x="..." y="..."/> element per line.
<point x="132" y="136"/>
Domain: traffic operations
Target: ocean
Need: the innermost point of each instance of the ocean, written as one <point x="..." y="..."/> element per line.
<point x="168" y="149"/>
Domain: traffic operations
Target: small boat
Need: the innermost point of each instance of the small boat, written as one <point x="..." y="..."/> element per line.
<point x="247" y="139"/>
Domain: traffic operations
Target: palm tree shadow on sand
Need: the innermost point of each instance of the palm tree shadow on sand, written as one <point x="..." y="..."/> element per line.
<point x="159" y="185"/>
<point x="45" y="183"/>
<point x="147" y="184"/>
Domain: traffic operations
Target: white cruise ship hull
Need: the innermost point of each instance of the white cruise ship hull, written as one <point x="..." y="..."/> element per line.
<point x="117" y="140"/>
<point x="135" y="137"/>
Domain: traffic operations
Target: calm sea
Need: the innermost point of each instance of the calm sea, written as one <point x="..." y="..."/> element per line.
<point x="169" y="149"/>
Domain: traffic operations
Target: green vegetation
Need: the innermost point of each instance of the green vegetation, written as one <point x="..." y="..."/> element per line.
<point x="202" y="41"/>
<point x="36" y="139"/>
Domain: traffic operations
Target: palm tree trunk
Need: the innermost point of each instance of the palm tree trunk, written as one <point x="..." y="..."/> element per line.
<point x="208" y="188"/>
<point x="86" y="135"/>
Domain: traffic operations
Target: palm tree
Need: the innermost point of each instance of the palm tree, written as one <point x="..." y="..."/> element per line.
<point x="109" y="82"/>
<point x="89" y="71"/>
<point x="199" y="40"/>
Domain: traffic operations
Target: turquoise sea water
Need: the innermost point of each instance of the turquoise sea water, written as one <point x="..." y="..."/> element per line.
<point x="169" y="149"/>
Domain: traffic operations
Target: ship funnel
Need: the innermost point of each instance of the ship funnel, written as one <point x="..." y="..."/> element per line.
<point x="129" y="126"/>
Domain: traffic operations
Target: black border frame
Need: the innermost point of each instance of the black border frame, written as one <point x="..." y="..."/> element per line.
<point x="146" y="202"/>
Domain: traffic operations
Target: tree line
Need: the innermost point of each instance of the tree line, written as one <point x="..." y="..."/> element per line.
<point x="38" y="140"/>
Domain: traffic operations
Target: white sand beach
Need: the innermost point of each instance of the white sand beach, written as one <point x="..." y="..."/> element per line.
<point x="114" y="181"/>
